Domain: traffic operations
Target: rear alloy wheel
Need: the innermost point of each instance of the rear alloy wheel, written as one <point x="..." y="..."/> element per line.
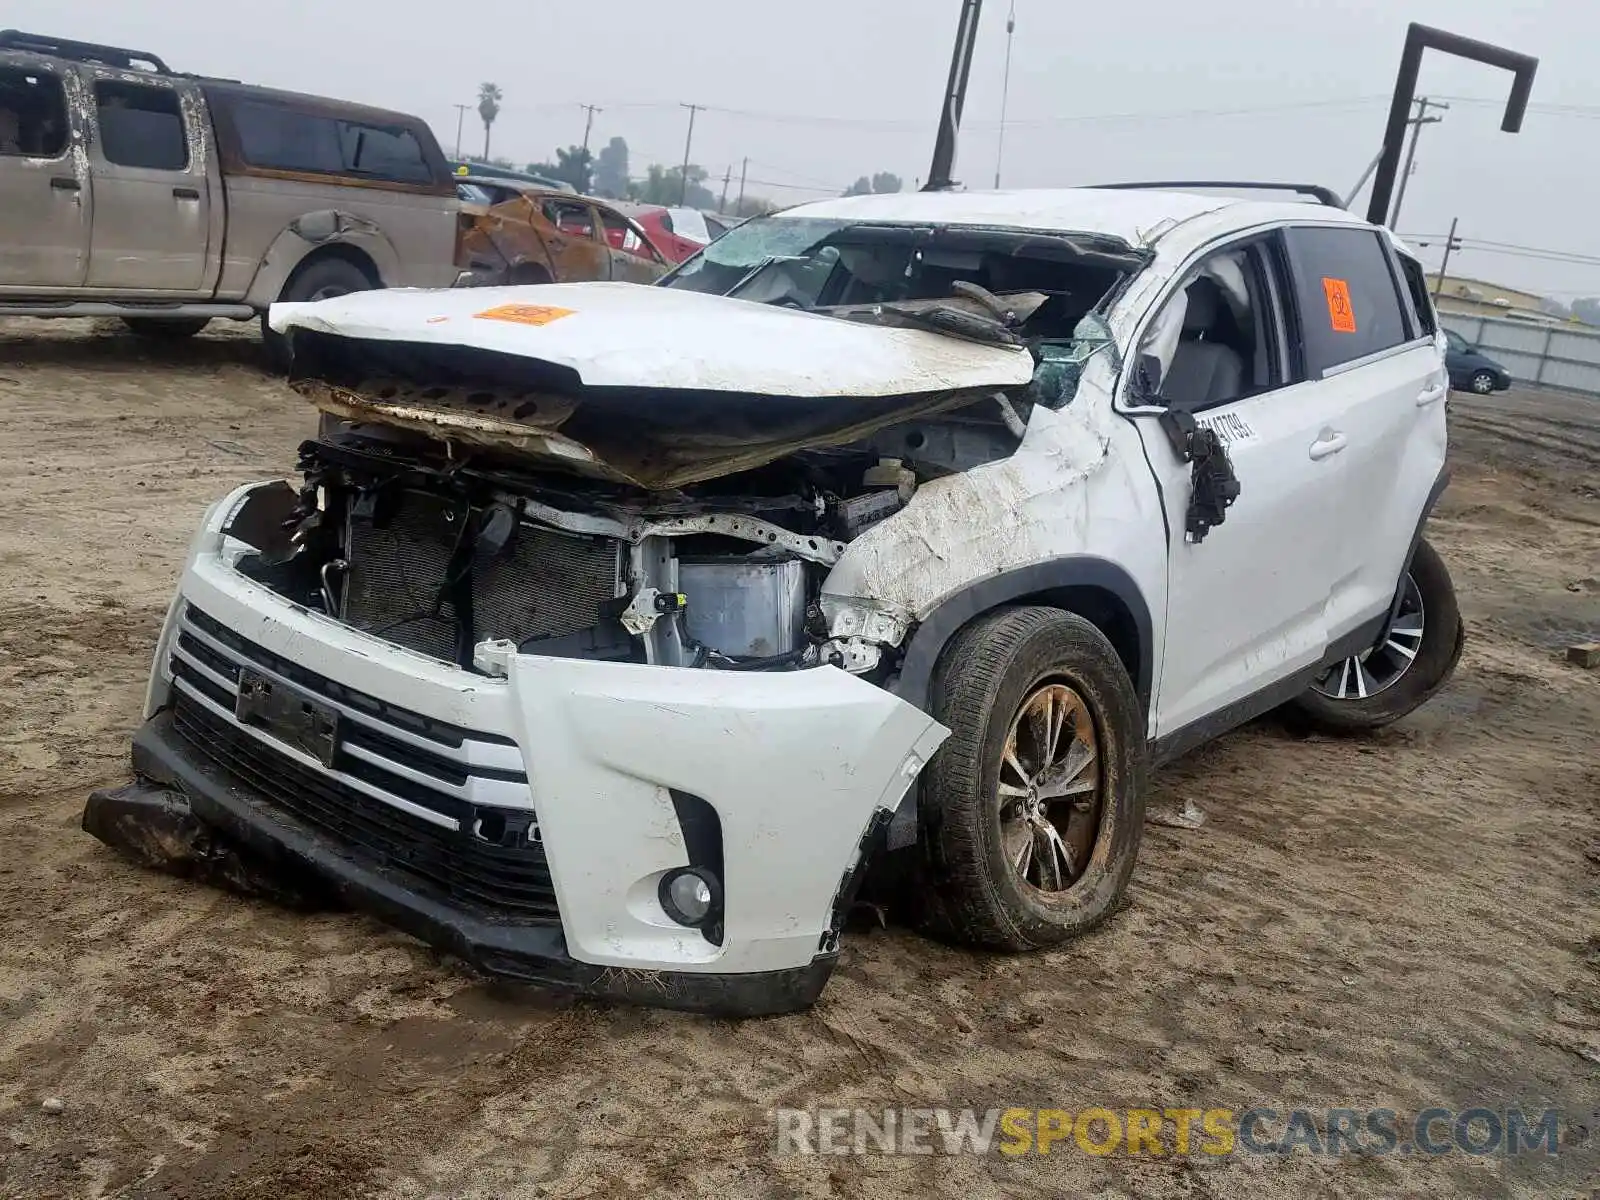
<point x="1033" y="810"/>
<point x="1483" y="382"/>
<point x="1413" y="658"/>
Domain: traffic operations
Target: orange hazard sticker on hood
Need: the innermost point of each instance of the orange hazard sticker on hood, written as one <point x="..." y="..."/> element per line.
<point x="524" y="314"/>
<point x="1340" y="315"/>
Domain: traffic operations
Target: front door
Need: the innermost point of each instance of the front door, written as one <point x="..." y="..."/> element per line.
<point x="633" y="258"/>
<point x="577" y="248"/>
<point x="152" y="195"/>
<point x="46" y="200"/>
<point x="1247" y="603"/>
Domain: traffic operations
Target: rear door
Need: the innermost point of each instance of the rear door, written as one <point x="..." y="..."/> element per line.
<point x="577" y="247"/>
<point x="1378" y="361"/>
<point x="633" y="258"/>
<point x="46" y="199"/>
<point x="149" y="155"/>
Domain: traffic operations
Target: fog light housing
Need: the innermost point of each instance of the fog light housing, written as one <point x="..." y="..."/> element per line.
<point x="691" y="896"/>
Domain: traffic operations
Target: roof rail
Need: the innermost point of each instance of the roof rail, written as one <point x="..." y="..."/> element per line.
<point x="90" y="52"/>
<point x="1316" y="191"/>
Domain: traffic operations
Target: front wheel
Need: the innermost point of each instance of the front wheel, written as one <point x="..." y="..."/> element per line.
<point x="1483" y="382"/>
<point x="1413" y="658"/>
<point x="1033" y="809"/>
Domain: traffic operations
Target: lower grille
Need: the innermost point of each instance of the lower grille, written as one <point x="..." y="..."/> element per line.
<point x="546" y="584"/>
<point x="507" y="877"/>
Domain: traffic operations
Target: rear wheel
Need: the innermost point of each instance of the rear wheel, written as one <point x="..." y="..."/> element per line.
<point x="1413" y="658"/>
<point x="166" y="327"/>
<point x="320" y="279"/>
<point x="1034" y="808"/>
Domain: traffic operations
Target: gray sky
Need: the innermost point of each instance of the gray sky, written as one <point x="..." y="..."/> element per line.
<point x="829" y="90"/>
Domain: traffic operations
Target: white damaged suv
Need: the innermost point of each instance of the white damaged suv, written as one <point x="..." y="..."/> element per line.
<point x="610" y="631"/>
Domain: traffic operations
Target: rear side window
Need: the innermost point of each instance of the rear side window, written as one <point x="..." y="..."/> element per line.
<point x="141" y="126"/>
<point x="1417" y="286"/>
<point x="281" y="138"/>
<point x="1348" y="302"/>
<point x="33" y="114"/>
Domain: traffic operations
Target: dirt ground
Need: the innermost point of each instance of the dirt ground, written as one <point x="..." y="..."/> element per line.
<point x="1398" y="922"/>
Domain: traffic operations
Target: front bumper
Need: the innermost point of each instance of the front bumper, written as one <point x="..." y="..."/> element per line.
<point x="534" y="954"/>
<point x="583" y="768"/>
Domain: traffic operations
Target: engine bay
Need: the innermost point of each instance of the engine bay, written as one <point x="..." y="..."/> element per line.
<point x="441" y="551"/>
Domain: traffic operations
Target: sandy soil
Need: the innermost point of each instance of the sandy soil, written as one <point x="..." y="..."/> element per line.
<point x="1399" y="922"/>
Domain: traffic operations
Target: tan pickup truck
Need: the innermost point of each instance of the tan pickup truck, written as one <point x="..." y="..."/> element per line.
<point x="130" y="190"/>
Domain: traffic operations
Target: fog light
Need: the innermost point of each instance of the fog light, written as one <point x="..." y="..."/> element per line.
<point x="691" y="895"/>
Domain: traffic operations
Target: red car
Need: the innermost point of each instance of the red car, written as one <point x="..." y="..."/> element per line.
<point x="679" y="233"/>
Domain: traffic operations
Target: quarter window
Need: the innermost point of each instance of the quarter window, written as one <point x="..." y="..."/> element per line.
<point x="1417" y="286"/>
<point x="1349" y="304"/>
<point x="141" y="126"/>
<point x="33" y="114"/>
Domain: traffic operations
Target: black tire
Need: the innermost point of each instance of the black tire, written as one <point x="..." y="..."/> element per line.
<point x="970" y="891"/>
<point x="1443" y="635"/>
<point x="1482" y="382"/>
<point x="319" y="279"/>
<point x="173" y="328"/>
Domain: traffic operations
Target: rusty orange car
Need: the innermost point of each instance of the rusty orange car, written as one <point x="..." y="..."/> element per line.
<point x="513" y="234"/>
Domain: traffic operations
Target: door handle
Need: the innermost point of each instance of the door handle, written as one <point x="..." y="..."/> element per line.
<point x="65" y="183"/>
<point x="1431" y="395"/>
<point x="186" y="193"/>
<point x="1328" y="443"/>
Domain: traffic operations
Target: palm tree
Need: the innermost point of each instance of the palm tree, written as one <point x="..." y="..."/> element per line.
<point x="489" y="97"/>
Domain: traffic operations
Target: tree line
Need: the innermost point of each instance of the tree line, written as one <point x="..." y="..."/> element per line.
<point x="609" y="174"/>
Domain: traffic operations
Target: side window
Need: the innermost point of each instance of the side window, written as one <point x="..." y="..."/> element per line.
<point x="1345" y="291"/>
<point x="282" y="139"/>
<point x="621" y="235"/>
<point x="141" y="125"/>
<point x="576" y="220"/>
<point x="1219" y="338"/>
<point x="33" y="114"/>
<point x="383" y="153"/>
<point x="1421" y="303"/>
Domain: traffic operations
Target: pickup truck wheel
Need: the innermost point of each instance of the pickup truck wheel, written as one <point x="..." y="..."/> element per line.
<point x="1413" y="659"/>
<point x="161" y="327"/>
<point x="321" y="279"/>
<point x="1033" y="809"/>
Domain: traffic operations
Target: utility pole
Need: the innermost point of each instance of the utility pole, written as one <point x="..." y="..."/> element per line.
<point x="727" y="180"/>
<point x="1417" y="122"/>
<point x="589" y="123"/>
<point x="940" y="177"/>
<point x="461" y="117"/>
<point x="1005" y="94"/>
<point x="1451" y="243"/>
<point x="688" y="142"/>
<point x="744" y="173"/>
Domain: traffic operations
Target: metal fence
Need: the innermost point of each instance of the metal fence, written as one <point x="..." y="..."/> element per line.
<point x="1552" y="356"/>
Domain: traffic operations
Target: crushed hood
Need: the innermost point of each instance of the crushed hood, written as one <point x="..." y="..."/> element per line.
<point x="619" y="335"/>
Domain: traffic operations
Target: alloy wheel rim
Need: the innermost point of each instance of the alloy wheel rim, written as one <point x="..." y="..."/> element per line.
<point x="1376" y="670"/>
<point x="1482" y="384"/>
<point x="1049" y="790"/>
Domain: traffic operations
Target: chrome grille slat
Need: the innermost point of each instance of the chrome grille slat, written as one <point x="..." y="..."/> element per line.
<point x="309" y="763"/>
<point x="470" y="754"/>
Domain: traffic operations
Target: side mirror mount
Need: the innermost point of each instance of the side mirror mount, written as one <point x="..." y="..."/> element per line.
<point x="1147" y="378"/>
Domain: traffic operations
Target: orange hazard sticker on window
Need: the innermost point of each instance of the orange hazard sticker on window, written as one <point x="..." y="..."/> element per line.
<point x="1340" y="315"/>
<point x="524" y="314"/>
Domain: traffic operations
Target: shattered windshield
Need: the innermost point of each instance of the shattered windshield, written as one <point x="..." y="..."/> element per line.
<point x="982" y="282"/>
